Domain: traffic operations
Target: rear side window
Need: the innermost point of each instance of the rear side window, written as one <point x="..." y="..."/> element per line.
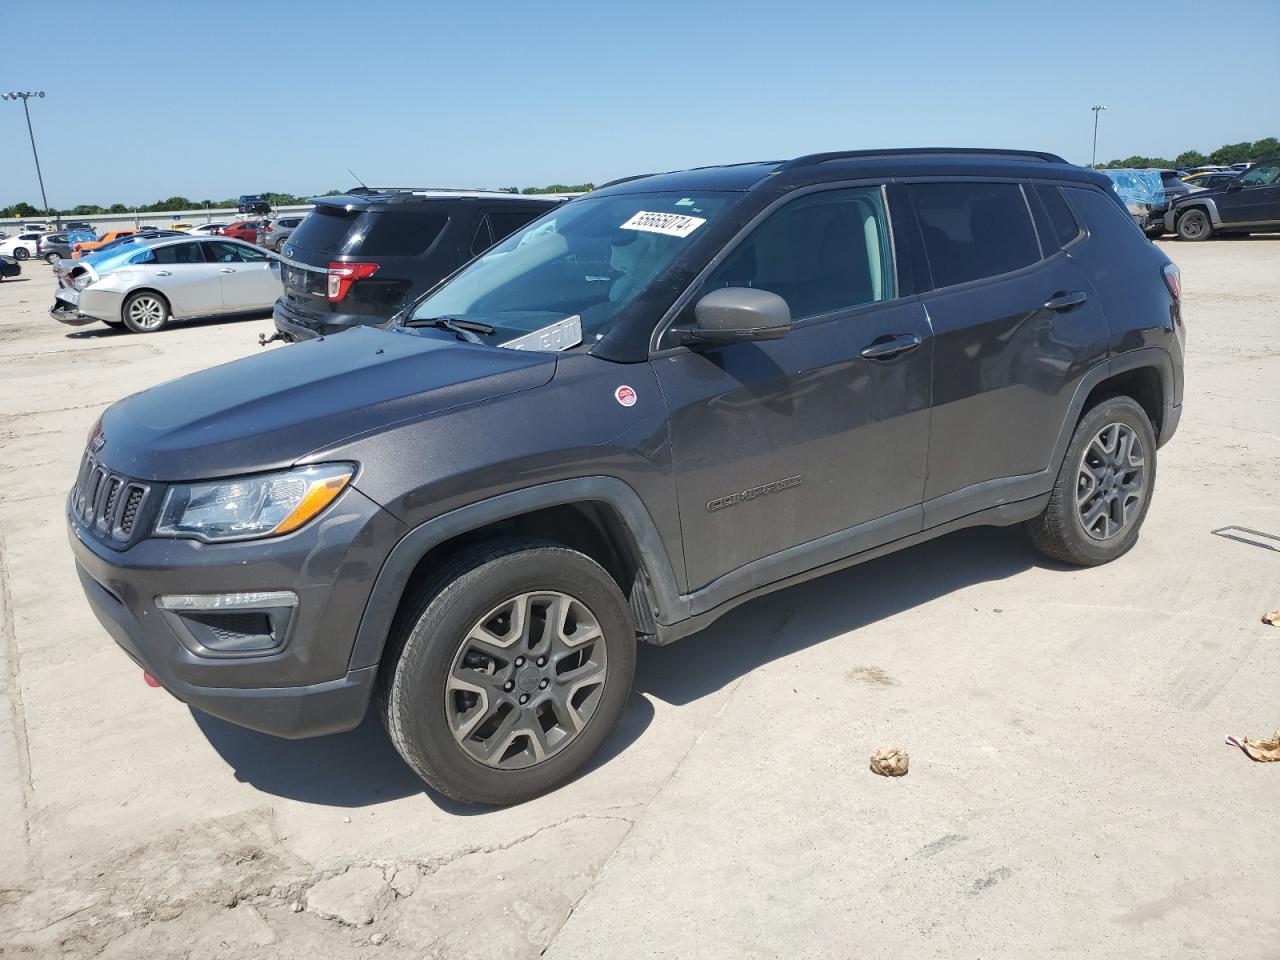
<point x="504" y="223"/>
<point x="974" y="230"/>
<point x="482" y="240"/>
<point x="1057" y="223"/>
<point x="372" y="233"/>
<point x="821" y="253"/>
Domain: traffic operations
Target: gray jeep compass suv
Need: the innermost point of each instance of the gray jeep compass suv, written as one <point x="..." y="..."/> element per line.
<point x="657" y="401"/>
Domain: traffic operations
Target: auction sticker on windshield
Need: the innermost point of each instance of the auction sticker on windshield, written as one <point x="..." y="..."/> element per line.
<point x="670" y="224"/>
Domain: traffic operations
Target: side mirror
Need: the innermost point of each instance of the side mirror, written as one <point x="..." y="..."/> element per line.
<point x="1235" y="185"/>
<point x="736" y="314"/>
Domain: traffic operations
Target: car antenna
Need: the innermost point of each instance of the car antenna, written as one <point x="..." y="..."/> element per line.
<point x="358" y="180"/>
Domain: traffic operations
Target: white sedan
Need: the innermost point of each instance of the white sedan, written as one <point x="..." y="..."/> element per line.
<point x="144" y="284"/>
<point x="24" y="245"/>
<point x="207" y="229"/>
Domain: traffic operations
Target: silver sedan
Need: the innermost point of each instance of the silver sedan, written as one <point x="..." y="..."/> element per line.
<point x="144" y="284"/>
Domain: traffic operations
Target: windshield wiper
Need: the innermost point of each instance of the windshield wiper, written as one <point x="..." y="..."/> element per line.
<point x="465" y="329"/>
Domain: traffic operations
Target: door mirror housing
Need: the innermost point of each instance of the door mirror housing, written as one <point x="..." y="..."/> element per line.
<point x="1235" y="185"/>
<point x="737" y="314"/>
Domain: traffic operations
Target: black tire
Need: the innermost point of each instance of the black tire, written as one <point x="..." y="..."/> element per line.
<point x="21" y="253"/>
<point x="1060" y="532"/>
<point x="428" y="640"/>
<point x="52" y="258"/>
<point x="1153" y="233"/>
<point x="1194" y="225"/>
<point x="145" y="312"/>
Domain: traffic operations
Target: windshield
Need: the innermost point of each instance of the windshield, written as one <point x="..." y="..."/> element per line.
<point x="588" y="259"/>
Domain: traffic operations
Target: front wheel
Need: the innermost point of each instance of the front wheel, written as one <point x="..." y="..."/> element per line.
<point x="1103" y="489"/>
<point x="514" y="665"/>
<point x="145" y="312"/>
<point x="1195" y="225"/>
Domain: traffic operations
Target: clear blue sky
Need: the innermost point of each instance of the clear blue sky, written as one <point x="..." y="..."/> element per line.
<point x="150" y="99"/>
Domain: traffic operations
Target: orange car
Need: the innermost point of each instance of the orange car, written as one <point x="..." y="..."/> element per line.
<point x="88" y="246"/>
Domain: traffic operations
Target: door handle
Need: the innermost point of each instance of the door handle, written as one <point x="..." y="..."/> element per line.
<point x="885" y="347"/>
<point x="164" y="273"/>
<point x="227" y="270"/>
<point x="1065" y="301"/>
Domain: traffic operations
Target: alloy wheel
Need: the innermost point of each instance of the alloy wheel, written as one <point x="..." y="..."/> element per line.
<point x="146" y="312"/>
<point x="526" y="679"/>
<point x="1111" y="481"/>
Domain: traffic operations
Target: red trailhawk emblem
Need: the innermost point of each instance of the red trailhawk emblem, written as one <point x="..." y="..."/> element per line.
<point x="625" y="396"/>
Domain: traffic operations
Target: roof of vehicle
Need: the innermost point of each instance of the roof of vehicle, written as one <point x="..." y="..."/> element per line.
<point x="859" y="164"/>
<point x="359" y="197"/>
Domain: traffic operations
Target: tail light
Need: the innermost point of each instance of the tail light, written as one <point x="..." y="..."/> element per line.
<point x="342" y="275"/>
<point x="1173" y="280"/>
<point x="268" y="228"/>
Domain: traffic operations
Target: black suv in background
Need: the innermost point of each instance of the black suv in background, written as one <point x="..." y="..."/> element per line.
<point x="1248" y="204"/>
<point x="360" y="257"/>
<point x="679" y="392"/>
<point x="253" y="203"/>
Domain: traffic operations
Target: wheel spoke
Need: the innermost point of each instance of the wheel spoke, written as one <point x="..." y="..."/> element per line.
<point x="526" y="679"/>
<point x="1111" y="481"/>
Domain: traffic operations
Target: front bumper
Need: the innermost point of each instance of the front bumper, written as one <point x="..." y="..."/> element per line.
<point x="79" y="307"/>
<point x="304" y="688"/>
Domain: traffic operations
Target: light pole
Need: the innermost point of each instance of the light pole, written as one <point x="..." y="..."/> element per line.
<point x="1097" y="109"/>
<point x="24" y="96"/>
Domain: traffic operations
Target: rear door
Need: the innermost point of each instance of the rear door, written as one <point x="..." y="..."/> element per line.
<point x="1015" y="328"/>
<point x="778" y="444"/>
<point x="250" y="276"/>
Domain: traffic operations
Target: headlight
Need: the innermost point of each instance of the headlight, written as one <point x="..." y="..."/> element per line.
<point x="245" y="508"/>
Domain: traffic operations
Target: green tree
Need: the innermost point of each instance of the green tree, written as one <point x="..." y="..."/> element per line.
<point x="1265" y="149"/>
<point x="21" y="209"/>
<point x="117" y="208"/>
<point x="1190" y="158"/>
<point x="1232" y="153"/>
<point x="86" y="210"/>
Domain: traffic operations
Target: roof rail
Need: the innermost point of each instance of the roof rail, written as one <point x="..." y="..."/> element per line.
<point x="637" y="176"/>
<point x="813" y="159"/>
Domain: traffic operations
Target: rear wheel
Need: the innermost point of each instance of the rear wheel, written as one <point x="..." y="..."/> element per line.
<point x="52" y="257"/>
<point x="514" y="665"/>
<point x="145" y="312"/>
<point x="1103" y="489"/>
<point x="1195" y="225"/>
<point x="21" y="253"/>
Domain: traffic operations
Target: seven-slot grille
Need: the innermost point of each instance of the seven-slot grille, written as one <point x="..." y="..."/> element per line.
<point x="106" y="502"/>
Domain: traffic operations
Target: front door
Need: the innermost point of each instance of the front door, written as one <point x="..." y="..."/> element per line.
<point x="1253" y="198"/>
<point x="250" y="275"/>
<point x="821" y="434"/>
<point x="192" y="285"/>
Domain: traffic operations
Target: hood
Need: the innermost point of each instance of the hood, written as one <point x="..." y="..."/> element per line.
<point x="268" y="411"/>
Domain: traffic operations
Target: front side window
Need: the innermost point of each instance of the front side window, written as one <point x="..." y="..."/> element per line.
<point x="178" y="253"/>
<point x="821" y="253"/>
<point x="1267" y="173"/>
<point x="974" y="230"/>
<point x="591" y="258"/>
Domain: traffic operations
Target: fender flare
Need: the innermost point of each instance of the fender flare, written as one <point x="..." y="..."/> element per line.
<point x="650" y="551"/>
<point x="1210" y="206"/>
<point x="1156" y="357"/>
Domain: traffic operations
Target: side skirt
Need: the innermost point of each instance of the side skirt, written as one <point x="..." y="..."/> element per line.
<point x="1002" y="515"/>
